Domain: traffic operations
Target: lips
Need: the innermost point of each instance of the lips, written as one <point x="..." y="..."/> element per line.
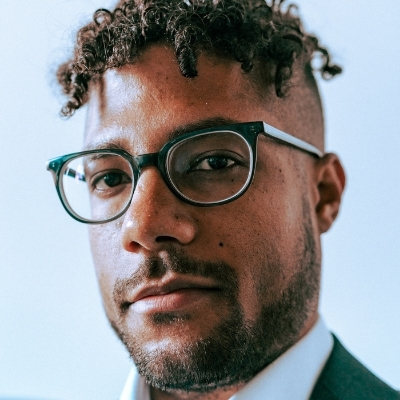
<point x="171" y="295"/>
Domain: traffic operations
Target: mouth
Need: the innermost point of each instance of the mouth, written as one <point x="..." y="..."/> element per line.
<point x="172" y="295"/>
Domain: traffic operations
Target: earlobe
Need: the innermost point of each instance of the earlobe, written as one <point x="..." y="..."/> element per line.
<point x="330" y="185"/>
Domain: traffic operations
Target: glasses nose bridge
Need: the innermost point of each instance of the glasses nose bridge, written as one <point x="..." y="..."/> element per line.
<point x="146" y="160"/>
<point x="149" y="160"/>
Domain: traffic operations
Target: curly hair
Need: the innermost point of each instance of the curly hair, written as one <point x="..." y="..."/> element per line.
<point x="243" y="30"/>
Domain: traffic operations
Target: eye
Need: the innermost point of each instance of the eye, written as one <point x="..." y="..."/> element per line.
<point x="110" y="179"/>
<point x="212" y="163"/>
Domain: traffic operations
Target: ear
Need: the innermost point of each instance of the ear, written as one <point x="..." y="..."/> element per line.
<point x="330" y="180"/>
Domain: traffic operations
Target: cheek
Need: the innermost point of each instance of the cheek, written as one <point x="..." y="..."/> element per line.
<point x="262" y="236"/>
<point x="103" y="243"/>
<point x="258" y="224"/>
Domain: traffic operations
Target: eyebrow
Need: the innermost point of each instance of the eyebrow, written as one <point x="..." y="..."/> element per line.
<point x="117" y="143"/>
<point x="105" y="144"/>
<point x="202" y="124"/>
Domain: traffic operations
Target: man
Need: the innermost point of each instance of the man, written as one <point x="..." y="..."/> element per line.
<point x="208" y="191"/>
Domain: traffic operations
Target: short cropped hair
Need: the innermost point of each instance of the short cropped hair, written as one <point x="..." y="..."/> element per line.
<point x="247" y="31"/>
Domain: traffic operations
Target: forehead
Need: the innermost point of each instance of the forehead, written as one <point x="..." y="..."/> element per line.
<point x="142" y="104"/>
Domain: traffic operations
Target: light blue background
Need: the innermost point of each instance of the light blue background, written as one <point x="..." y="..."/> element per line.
<point x="55" y="342"/>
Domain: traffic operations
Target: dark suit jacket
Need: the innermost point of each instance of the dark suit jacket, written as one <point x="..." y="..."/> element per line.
<point x="344" y="378"/>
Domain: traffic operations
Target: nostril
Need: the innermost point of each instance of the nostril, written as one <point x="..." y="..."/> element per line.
<point x="164" y="239"/>
<point x="133" y="247"/>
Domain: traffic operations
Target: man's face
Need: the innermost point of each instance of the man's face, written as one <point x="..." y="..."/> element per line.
<point x="203" y="296"/>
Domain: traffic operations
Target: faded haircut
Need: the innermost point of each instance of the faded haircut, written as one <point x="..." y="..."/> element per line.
<point x="248" y="31"/>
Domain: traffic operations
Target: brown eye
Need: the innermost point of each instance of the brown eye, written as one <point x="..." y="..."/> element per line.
<point x="110" y="180"/>
<point x="213" y="163"/>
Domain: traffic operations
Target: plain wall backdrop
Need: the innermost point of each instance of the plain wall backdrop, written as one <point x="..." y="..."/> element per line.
<point x="55" y="342"/>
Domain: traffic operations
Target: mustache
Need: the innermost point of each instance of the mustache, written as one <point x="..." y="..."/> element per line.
<point x="176" y="261"/>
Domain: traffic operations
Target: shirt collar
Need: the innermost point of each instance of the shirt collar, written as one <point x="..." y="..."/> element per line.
<point x="291" y="376"/>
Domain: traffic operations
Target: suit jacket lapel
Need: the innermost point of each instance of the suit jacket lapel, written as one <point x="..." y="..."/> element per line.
<point x="344" y="378"/>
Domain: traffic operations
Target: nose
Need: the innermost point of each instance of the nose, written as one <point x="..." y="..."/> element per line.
<point x="156" y="217"/>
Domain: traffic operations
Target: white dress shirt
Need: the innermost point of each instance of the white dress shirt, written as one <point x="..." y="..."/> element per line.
<point x="291" y="376"/>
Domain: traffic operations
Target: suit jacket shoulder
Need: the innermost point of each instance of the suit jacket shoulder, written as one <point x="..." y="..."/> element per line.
<point x="345" y="378"/>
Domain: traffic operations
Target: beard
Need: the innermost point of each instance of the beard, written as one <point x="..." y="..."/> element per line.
<point x="236" y="349"/>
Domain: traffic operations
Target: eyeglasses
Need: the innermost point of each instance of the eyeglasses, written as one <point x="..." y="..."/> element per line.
<point x="207" y="167"/>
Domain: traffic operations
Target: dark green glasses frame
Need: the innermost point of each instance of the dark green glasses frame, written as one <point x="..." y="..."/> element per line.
<point x="249" y="131"/>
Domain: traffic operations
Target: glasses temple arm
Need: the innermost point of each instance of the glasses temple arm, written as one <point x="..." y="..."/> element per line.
<point x="285" y="137"/>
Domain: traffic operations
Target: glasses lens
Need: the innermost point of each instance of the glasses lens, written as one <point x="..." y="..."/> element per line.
<point x="98" y="186"/>
<point x="211" y="167"/>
